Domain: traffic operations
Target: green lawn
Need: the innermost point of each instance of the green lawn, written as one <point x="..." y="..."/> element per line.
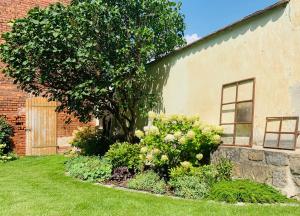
<point x="38" y="186"/>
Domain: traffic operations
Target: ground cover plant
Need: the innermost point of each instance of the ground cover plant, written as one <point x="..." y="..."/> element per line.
<point x="38" y="186"/>
<point x="91" y="169"/>
<point x="246" y="191"/>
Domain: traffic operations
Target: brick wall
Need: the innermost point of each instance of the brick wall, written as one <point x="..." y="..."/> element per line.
<point x="12" y="100"/>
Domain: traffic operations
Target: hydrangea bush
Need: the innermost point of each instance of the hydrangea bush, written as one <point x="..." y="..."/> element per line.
<point x="170" y="141"/>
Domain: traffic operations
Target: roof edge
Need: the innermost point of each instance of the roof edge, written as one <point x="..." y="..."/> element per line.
<point x="278" y="4"/>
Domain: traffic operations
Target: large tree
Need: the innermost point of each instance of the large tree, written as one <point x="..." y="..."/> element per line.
<point x="92" y="55"/>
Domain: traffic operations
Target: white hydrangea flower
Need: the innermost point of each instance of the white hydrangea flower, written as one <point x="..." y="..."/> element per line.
<point x="216" y="139"/>
<point x="156" y="151"/>
<point x="199" y="156"/>
<point x="161" y="115"/>
<point x="165" y="119"/>
<point x="152" y="115"/>
<point x="170" y="138"/>
<point x="178" y="135"/>
<point x="193" y="118"/>
<point x="174" y="117"/>
<point x="219" y="129"/>
<point x="207" y="130"/>
<point x="164" y="158"/>
<point x="180" y="118"/>
<point x="146" y="128"/>
<point x="149" y="157"/>
<point x="182" y="140"/>
<point x="186" y="164"/>
<point x="191" y="135"/>
<point x="144" y="149"/>
<point x="153" y="130"/>
<point x="197" y="124"/>
<point x="140" y="134"/>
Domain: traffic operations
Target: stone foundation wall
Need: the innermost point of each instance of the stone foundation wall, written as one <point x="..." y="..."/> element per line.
<point x="280" y="169"/>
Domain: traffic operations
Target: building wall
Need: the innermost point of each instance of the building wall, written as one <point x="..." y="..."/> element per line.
<point x="265" y="47"/>
<point x="12" y="100"/>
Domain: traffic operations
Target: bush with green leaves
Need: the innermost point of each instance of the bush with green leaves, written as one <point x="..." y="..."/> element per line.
<point x="224" y="169"/>
<point x="91" y="169"/>
<point x="6" y="133"/>
<point x="190" y="187"/>
<point x="10" y="156"/>
<point x="148" y="181"/>
<point x="195" y="182"/>
<point x="245" y="191"/>
<point x="171" y="140"/>
<point x="124" y="155"/>
<point x="91" y="141"/>
<point x="192" y="182"/>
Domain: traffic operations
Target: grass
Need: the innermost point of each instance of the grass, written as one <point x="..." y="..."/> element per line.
<point x="37" y="186"/>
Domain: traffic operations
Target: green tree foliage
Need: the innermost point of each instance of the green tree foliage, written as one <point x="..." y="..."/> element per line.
<point x="92" y="55"/>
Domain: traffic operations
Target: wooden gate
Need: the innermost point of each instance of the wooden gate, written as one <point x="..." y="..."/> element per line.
<point x="41" y="118"/>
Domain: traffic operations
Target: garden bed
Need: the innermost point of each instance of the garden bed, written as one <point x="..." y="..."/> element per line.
<point x="172" y="158"/>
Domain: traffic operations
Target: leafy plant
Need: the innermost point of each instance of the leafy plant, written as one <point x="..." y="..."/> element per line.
<point x="176" y="139"/>
<point x="6" y="157"/>
<point x="92" y="56"/>
<point x="148" y="181"/>
<point x="91" y="141"/>
<point x="224" y="169"/>
<point x="89" y="168"/>
<point x="6" y="132"/>
<point x="190" y="187"/>
<point x="245" y="191"/>
<point x="124" y="155"/>
<point x="206" y="174"/>
<point x="121" y="174"/>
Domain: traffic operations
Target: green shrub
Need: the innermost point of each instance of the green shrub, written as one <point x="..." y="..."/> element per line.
<point x="90" y="169"/>
<point x="195" y="182"/>
<point x="224" y="169"/>
<point x="124" y="155"/>
<point x="91" y="141"/>
<point x="245" y="191"/>
<point x="6" y="132"/>
<point x="6" y="157"/>
<point x="148" y="181"/>
<point x="190" y="187"/>
<point x="174" y="139"/>
<point x="208" y="173"/>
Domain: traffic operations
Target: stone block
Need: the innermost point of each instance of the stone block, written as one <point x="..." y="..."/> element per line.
<point x="279" y="178"/>
<point x="295" y="164"/>
<point x="259" y="173"/>
<point x="233" y="154"/>
<point x="277" y="158"/>
<point x="256" y="155"/>
<point x="296" y="179"/>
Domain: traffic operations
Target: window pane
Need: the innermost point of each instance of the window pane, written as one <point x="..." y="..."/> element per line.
<point x="229" y="94"/>
<point x="245" y="91"/>
<point x="273" y="125"/>
<point x="227" y="137"/>
<point x="287" y="141"/>
<point x="271" y="140"/>
<point x="228" y="113"/>
<point x="244" y="112"/>
<point x="288" y="126"/>
<point x="243" y="134"/>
